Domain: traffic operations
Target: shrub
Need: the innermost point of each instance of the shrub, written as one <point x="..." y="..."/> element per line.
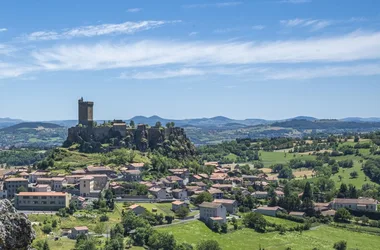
<point x="182" y="212"/>
<point x="103" y="218"/>
<point x="46" y="228"/>
<point x="289" y="217"/>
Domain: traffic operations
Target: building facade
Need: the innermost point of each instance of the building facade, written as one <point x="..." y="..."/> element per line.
<point x="365" y="204"/>
<point x="12" y="184"/>
<point x="42" y="200"/>
<point x="231" y="205"/>
<point x="207" y="210"/>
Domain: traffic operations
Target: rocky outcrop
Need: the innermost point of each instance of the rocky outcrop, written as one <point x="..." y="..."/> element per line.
<point x="170" y="141"/>
<point x="16" y="231"/>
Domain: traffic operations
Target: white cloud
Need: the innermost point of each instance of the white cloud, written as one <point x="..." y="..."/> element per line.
<point x="97" y="30"/>
<point x="134" y="10"/>
<point x="218" y="5"/>
<point x="257" y="73"/>
<point x="194" y="33"/>
<point x="225" y="30"/>
<point x="3" y="29"/>
<point x="318" y="24"/>
<point x="258" y="27"/>
<point x="324" y="72"/>
<point x="296" y="1"/>
<point x="28" y="78"/>
<point x="6" y="49"/>
<point x="8" y="70"/>
<point x="147" y="75"/>
<point x="314" y="24"/>
<point x="168" y="59"/>
<point x="352" y="47"/>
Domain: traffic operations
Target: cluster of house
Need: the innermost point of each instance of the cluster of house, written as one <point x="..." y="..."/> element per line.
<point x="183" y="186"/>
<point x="39" y="190"/>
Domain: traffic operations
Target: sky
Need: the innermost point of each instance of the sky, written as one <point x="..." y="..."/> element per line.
<point x="270" y="59"/>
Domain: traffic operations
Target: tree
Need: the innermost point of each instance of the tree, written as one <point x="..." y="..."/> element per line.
<point x="335" y="168"/>
<point x="287" y="189"/>
<point x="100" y="228"/>
<point x="208" y="245"/>
<point x="343" y="191"/>
<point x="364" y="219"/>
<point x="285" y="172"/>
<point x="183" y="246"/>
<point x="307" y="197"/>
<point x="255" y="221"/>
<point x="46" y="246"/>
<point x="85" y="242"/>
<point x="160" y="240"/>
<point x="340" y="245"/>
<point x="169" y="219"/>
<point x="132" y="124"/>
<point x="21" y="189"/>
<point x="342" y="215"/>
<point x="46" y="228"/>
<point x="158" y="124"/>
<point x="182" y="212"/>
<point x="216" y="227"/>
<point x="224" y="228"/>
<point x="170" y="125"/>
<point x="354" y="174"/>
<point x="54" y="223"/>
<point x="307" y="192"/>
<point x="205" y="196"/>
<point x="352" y="192"/>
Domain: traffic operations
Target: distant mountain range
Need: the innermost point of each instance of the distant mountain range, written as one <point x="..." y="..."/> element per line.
<point x="15" y="132"/>
<point x="213" y="122"/>
<point x="30" y="125"/>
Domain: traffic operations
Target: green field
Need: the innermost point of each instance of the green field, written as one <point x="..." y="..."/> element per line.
<point x="164" y="208"/>
<point x="322" y="237"/>
<point x="73" y="221"/>
<point x="270" y="158"/>
<point x="279" y="221"/>
<point x="231" y="157"/>
<point x="345" y="173"/>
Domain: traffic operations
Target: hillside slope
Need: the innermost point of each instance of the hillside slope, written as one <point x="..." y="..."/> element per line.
<point x="30" y="125"/>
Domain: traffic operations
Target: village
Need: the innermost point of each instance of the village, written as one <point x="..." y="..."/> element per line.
<point x="140" y="185"/>
<point x="38" y="192"/>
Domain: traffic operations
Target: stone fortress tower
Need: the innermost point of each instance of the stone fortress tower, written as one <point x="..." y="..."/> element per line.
<point x="118" y="134"/>
<point x="85" y="113"/>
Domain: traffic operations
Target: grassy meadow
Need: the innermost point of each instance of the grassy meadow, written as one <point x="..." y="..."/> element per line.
<point x="322" y="237"/>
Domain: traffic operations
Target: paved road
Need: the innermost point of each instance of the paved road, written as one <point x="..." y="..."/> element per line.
<point x="35" y="212"/>
<point x="196" y="217"/>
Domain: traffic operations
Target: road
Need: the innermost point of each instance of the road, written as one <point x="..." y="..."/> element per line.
<point x="35" y="212"/>
<point x="196" y="217"/>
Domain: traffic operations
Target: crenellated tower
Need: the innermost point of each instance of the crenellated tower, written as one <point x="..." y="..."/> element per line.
<point x="85" y="113"/>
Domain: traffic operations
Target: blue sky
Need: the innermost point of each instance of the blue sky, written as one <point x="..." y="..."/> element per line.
<point x="269" y="59"/>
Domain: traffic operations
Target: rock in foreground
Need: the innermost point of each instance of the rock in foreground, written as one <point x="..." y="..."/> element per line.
<point x="16" y="231"/>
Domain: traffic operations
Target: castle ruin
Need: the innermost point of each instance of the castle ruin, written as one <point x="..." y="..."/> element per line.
<point x="117" y="134"/>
